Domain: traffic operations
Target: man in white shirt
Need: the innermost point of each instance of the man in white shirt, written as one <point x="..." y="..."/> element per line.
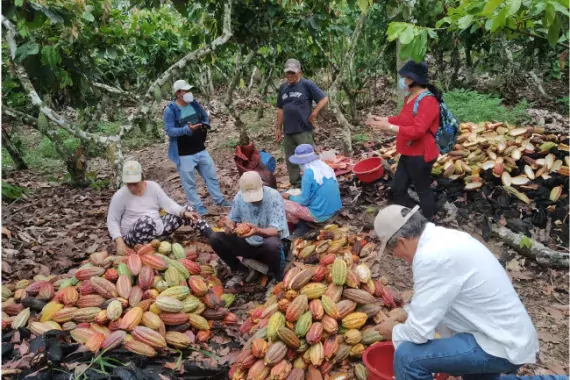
<point x="461" y="290"/>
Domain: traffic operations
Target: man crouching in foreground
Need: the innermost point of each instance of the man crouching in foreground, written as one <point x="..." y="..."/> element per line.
<point x="260" y="213"/>
<point x="460" y="290"/>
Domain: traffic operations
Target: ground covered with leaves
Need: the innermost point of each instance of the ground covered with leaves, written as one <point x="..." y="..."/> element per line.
<point x="55" y="227"/>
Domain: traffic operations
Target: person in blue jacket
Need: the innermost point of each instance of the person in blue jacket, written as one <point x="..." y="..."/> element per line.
<point x="186" y="123"/>
<point x="320" y="196"/>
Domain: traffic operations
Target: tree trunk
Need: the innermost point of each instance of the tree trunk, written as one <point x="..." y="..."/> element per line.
<point x="468" y="58"/>
<point x="346" y="134"/>
<point x="267" y="81"/>
<point x="13" y="150"/>
<point x="399" y="63"/>
<point x="542" y="254"/>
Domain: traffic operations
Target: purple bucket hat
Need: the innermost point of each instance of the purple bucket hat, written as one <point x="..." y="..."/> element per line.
<point x="304" y="154"/>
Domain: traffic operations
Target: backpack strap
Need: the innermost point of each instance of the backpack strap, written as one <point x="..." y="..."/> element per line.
<point x="417" y="106"/>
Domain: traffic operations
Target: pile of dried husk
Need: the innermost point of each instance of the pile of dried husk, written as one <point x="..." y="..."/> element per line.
<point x="155" y="298"/>
<point x="319" y="320"/>
<point x="515" y="174"/>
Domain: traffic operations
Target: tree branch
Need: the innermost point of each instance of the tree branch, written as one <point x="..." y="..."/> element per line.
<point x="111" y="89"/>
<point x="333" y="89"/>
<point x="529" y="34"/>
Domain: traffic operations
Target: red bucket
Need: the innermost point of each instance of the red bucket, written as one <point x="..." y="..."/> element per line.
<point x="379" y="360"/>
<point x="369" y="170"/>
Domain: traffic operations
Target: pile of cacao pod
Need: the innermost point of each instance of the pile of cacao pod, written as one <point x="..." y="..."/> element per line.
<point x="520" y="159"/>
<point x="319" y="320"/>
<point x="155" y="297"/>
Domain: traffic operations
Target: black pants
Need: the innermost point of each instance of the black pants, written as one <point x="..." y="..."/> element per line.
<point x="229" y="247"/>
<point x="414" y="170"/>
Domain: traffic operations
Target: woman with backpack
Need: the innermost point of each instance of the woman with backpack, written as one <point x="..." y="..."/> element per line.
<point x="415" y="127"/>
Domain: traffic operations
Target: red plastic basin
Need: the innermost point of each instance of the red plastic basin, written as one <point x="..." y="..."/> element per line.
<point x="379" y="360"/>
<point x="369" y="170"/>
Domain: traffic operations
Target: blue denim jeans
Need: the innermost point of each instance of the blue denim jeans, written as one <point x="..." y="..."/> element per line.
<point x="459" y="355"/>
<point x="203" y="163"/>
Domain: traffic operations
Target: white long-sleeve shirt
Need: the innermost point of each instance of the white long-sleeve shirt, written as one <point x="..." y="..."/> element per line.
<point x="460" y="285"/>
<point x="125" y="208"/>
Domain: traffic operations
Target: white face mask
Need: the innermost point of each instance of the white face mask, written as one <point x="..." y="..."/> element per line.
<point x="188" y="97"/>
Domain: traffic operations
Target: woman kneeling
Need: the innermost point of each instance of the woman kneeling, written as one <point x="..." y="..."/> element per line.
<point x="134" y="218"/>
<point x="320" y="196"/>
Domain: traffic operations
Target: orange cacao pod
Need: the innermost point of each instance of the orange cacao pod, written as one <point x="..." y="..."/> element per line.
<point x="316" y="308"/>
<point x="124" y="286"/>
<point x="330" y="347"/>
<point x="69" y="296"/>
<point x="258" y="371"/>
<point x="354" y="320"/>
<point x="297" y="308"/>
<point x="85" y="288"/>
<point x="111" y="274"/>
<point x="90" y="300"/>
<point x="139" y="348"/>
<point x="327" y="260"/>
<point x="326" y="367"/>
<point x="146" y="277"/>
<point x="135" y="296"/>
<point x="345" y="307"/>
<point x="211" y="300"/>
<point x="231" y="319"/>
<point x="288" y="337"/>
<point x="283" y="305"/>
<point x="275" y="353"/>
<point x="81" y="334"/>
<point x="198" y="286"/>
<point x="101" y="318"/>
<point x="104" y="288"/>
<point x="177" y="339"/>
<point x="132" y="318"/>
<point x="315" y="333"/>
<point x="173" y="319"/>
<point x="334" y="292"/>
<point x="145" y="249"/>
<point x="113" y="340"/>
<point x="291" y="273"/>
<point x="46" y="291"/>
<point x="94" y="342"/>
<point x="302" y="278"/>
<point x="313" y="373"/>
<point x="330" y="325"/>
<point x="280" y="371"/>
<point x="361" y="297"/>
<point x="134" y="264"/>
<point x="259" y="348"/>
<point x="64" y="315"/>
<point x="319" y="274"/>
<point x="352" y="280"/>
<point x="245" y="359"/>
<point x="149" y="336"/>
<point x="154" y="261"/>
<point x="192" y="266"/>
<point x="86" y="273"/>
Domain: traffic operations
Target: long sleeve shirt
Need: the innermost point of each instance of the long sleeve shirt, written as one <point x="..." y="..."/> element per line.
<point x="460" y="285"/>
<point x="416" y="134"/>
<point x="125" y="208"/>
<point x="323" y="201"/>
<point x="175" y="127"/>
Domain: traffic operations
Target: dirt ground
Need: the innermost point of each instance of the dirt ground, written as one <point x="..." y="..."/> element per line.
<point x="55" y="227"/>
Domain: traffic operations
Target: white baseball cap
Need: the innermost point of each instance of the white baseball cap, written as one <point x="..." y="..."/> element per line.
<point x="388" y="221"/>
<point x="181" y="85"/>
<point x="292" y="65"/>
<point x="251" y="187"/>
<point x="132" y="172"/>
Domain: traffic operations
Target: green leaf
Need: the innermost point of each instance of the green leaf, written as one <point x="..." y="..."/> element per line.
<point x="554" y="32"/>
<point x="50" y="56"/>
<point x="88" y="16"/>
<point x="111" y="52"/>
<point x="465" y="21"/>
<point x="395" y="29"/>
<point x="407" y="35"/>
<point x="18" y="3"/>
<point x="363" y="5"/>
<point x="445" y="20"/>
<point x="241" y="83"/>
<point x="513" y="7"/>
<point x="26" y="49"/>
<point x="560" y="8"/>
<point x="526" y="242"/>
<point x="549" y="15"/>
<point x="500" y="20"/>
<point x="538" y="8"/>
<point x="490" y="7"/>
<point x="432" y="34"/>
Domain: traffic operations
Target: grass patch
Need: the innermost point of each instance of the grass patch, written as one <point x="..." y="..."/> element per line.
<point x="476" y="107"/>
<point x="362" y="137"/>
<point x="231" y="143"/>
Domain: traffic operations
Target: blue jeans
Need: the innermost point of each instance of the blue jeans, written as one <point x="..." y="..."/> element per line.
<point x="203" y="163"/>
<point x="459" y="355"/>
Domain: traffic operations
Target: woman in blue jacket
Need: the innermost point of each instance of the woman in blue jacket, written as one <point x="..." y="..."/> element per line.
<point x="320" y="196"/>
